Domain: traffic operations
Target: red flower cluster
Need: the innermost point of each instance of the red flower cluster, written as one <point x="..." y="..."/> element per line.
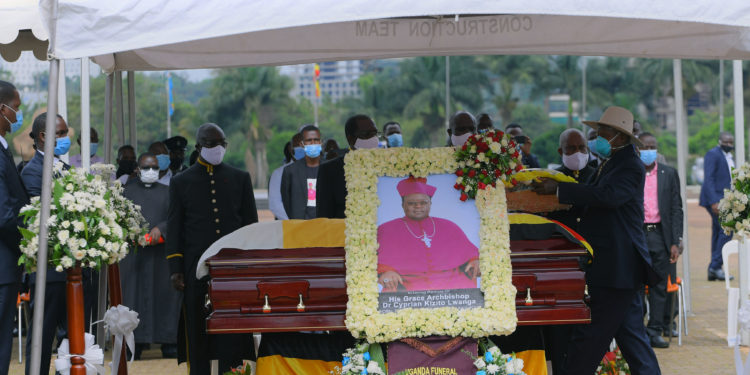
<point x="485" y="159"/>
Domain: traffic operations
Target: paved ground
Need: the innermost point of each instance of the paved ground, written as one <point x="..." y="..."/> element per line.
<point x="703" y="352"/>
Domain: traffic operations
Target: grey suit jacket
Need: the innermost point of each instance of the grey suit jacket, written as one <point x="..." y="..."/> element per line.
<point x="670" y="204"/>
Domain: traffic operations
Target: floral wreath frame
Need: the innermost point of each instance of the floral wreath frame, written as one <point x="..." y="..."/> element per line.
<point x="497" y="317"/>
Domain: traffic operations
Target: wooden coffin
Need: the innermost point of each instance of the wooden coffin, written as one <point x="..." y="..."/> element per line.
<point x="305" y="289"/>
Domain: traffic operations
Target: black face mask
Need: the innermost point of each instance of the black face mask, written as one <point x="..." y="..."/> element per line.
<point x="125" y="167"/>
<point x="176" y="163"/>
<point x="726" y="148"/>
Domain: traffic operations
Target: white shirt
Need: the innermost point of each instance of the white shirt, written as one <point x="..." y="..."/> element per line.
<point x="3" y="142"/>
<point x="730" y="161"/>
<point x="77" y="160"/>
<point x="274" y="194"/>
<point x="167" y="177"/>
<point x="123" y="179"/>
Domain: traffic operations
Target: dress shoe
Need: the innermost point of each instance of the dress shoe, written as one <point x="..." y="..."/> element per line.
<point x="675" y="333"/>
<point x="169" y="350"/>
<point x="658" y="342"/>
<point x="717" y="274"/>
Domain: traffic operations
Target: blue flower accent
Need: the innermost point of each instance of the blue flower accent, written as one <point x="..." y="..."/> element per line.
<point x="488" y="357"/>
<point x="364" y="371"/>
<point x="366" y="356"/>
<point x="481" y="372"/>
<point x="345" y="361"/>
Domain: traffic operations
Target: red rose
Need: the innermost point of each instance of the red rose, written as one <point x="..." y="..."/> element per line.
<point x="493" y="184"/>
<point x="481" y="185"/>
<point x="464" y="197"/>
<point x="484" y="172"/>
<point x="514" y="182"/>
<point x="463" y="147"/>
<point x="515" y="154"/>
<point x="500" y="133"/>
<point x="457" y="187"/>
<point x="519" y="167"/>
<point x="503" y="150"/>
<point x="460" y="172"/>
<point x="472" y="173"/>
<point x="508" y="171"/>
<point x="498" y="173"/>
<point x="511" y="144"/>
<point x="495" y="161"/>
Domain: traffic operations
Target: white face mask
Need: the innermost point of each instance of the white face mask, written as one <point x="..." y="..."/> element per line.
<point x="459" y="140"/>
<point x="367" y="143"/>
<point x="213" y="155"/>
<point x="576" y="161"/>
<point x="149" y="176"/>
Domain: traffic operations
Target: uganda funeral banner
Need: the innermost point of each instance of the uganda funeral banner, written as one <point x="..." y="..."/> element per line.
<point x="420" y="260"/>
<point x="436" y="355"/>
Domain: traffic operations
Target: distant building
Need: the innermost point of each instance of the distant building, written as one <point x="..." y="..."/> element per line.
<point x="338" y="79"/>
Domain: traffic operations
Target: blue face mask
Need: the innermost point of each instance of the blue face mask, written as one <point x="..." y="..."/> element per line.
<point x="602" y="146"/>
<point x="648" y="157"/>
<point x="94" y="147"/>
<point x="164" y="161"/>
<point x="312" y="151"/>
<point x="592" y="144"/>
<point x="62" y="145"/>
<point x="19" y="120"/>
<point x="395" y="140"/>
<point x="299" y="153"/>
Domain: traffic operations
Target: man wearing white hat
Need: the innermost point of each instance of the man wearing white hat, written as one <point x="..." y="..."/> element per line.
<point x="612" y="222"/>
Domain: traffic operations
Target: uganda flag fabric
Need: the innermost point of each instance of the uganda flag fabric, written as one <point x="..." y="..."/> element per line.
<point x="527" y="342"/>
<point x="296" y="353"/>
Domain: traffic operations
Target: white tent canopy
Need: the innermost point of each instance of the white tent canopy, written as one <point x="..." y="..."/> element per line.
<point x="22" y="29"/>
<point x="188" y="34"/>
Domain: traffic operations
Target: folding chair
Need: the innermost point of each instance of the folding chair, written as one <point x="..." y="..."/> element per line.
<point x="21" y="302"/>
<point x="682" y="317"/>
<point x="733" y="294"/>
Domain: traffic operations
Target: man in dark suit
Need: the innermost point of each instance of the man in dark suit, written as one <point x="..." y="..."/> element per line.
<point x="361" y="133"/>
<point x="717" y="166"/>
<point x="662" y="207"/>
<point x="55" y="306"/>
<point x="613" y="224"/>
<point x="206" y="201"/>
<point x="299" y="180"/>
<point x="13" y="196"/>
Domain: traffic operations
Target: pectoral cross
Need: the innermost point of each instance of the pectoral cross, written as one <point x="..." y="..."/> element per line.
<point x="427" y="240"/>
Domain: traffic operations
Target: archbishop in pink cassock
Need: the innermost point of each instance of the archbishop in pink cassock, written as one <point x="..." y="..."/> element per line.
<point x="420" y="252"/>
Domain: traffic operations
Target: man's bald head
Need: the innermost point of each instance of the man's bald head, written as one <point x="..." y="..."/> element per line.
<point x="462" y="122"/>
<point x="572" y="141"/>
<point x="209" y="135"/>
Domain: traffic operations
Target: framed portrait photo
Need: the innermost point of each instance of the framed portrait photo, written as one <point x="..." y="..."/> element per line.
<point x="420" y="261"/>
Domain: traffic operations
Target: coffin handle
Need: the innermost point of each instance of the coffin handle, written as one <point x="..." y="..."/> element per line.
<point x="266" y="306"/>
<point x="300" y="306"/>
<point x="529" y="301"/>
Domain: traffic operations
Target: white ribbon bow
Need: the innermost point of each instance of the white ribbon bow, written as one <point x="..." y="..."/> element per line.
<point x="93" y="355"/>
<point x="121" y="321"/>
<point x="743" y="318"/>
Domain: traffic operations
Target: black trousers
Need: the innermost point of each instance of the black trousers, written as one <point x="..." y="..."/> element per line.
<point x="657" y="293"/>
<point x="55" y="315"/>
<point x="8" y="297"/>
<point x="618" y="314"/>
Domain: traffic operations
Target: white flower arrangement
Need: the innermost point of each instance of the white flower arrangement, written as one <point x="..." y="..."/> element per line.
<point x="497" y="317"/>
<point x="360" y="361"/>
<point x="734" y="208"/>
<point x="91" y="223"/>
<point x="494" y="362"/>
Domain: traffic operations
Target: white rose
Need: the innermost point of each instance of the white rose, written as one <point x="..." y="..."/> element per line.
<point x="101" y="241"/>
<point x="92" y="264"/>
<point x="66" y="262"/>
<point x="479" y="363"/>
<point x="79" y="254"/>
<point x="59" y="268"/>
<point x="63" y="236"/>
<point x="493" y="369"/>
<point x="495" y="147"/>
<point x="65" y="224"/>
<point x="69" y="187"/>
<point x="100" y="203"/>
<point x="374" y="368"/>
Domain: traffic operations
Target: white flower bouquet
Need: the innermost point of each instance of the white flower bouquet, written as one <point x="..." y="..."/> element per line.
<point x="90" y="222"/>
<point x="734" y="210"/>
<point x="494" y="362"/>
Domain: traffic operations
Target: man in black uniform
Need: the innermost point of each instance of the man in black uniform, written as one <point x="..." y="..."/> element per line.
<point x="206" y="201"/>
<point x="176" y="146"/>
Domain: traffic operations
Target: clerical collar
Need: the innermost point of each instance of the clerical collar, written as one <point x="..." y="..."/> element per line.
<point x="209" y="167"/>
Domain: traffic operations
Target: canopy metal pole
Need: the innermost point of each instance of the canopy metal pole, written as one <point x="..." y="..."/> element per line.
<point x="120" y="116"/>
<point x="739" y="154"/>
<point x="447" y="92"/>
<point x="62" y="102"/>
<point x="131" y="109"/>
<point x="682" y="148"/>
<point x="85" y="115"/>
<point x="41" y="270"/>
<point x="721" y="95"/>
<point x="102" y="296"/>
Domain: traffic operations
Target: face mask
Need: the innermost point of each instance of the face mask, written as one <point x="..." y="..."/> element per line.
<point x="14" y="126"/>
<point x="93" y="147"/>
<point x="125" y="167"/>
<point x="312" y="151"/>
<point x="62" y="145"/>
<point x="482" y="131"/>
<point x="299" y="153"/>
<point x="149" y="176"/>
<point x="213" y="155"/>
<point x="366" y="143"/>
<point x="395" y="140"/>
<point x="576" y="161"/>
<point x="602" y="146"/>
<point x="459" y="140"/>
<point x="164" y="161"/>
<point x="648" y="157"/>
<point x="726" y="148"/>
<point x="592" y="146"/>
